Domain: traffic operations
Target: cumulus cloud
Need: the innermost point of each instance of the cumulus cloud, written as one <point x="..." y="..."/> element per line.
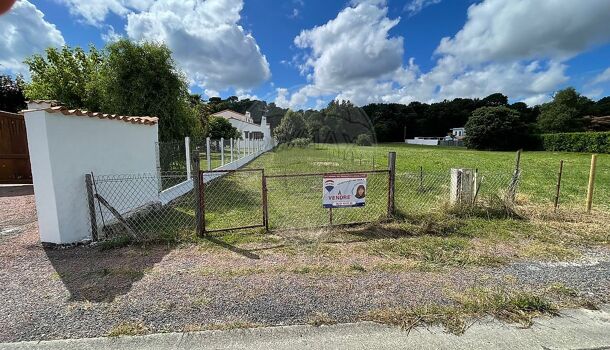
<point x="602" y="77"/>
<point x="25" y="32"/>
<point x="206" y="41"/>
<point x="529" y="29"/>
<point x="415" y="6"/>
<point x="519" y="48"/>
<point x="95" y="11"/>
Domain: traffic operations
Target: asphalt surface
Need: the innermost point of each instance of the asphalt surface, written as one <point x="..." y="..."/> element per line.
<point x="575" y="329"/>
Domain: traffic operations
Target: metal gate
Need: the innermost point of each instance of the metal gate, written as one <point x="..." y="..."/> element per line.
<point x="231" y="200"/>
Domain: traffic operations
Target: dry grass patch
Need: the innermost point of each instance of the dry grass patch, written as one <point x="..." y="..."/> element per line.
<point x="128" y="328"/>
<point x="320" y="318"/>
<point x="515" y="307"/>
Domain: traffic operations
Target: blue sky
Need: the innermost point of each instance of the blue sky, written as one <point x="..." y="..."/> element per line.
<point x="303" y="53"/>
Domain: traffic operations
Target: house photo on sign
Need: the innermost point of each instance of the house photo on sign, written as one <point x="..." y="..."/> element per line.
<point x="344" y="191"/>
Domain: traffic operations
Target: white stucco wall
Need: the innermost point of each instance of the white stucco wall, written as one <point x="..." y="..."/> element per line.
<point x="425" y="142"/>
<point x="64" y="148"/>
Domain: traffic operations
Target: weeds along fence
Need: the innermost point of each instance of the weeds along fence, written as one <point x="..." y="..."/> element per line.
<point x="224" y="200"/>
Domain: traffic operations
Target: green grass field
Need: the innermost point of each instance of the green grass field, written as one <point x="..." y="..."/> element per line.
<point x="538" y="169"/>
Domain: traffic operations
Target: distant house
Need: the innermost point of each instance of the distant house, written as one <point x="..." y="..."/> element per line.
<point x="458" y="133"/>
<point x="454" y="138"/>
<point x="246" y="126"/>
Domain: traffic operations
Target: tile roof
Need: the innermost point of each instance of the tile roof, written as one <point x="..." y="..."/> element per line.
<point x="53" y="103"/>
<point x="78" y="112"/>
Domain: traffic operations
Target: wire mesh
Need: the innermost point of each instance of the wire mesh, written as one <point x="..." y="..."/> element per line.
<point x="295" y="202"/>
<point x="135" y="205"/>
<point x="233" y="199"/>
<point x="424" y="192"/>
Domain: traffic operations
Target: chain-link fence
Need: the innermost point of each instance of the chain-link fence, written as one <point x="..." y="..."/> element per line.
<point x="171" y="207"/>
<point x="425" y="192"/>
<point x="134" y="205"/>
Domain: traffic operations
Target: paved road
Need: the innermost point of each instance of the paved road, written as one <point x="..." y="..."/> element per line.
<point x="576" y="329"/>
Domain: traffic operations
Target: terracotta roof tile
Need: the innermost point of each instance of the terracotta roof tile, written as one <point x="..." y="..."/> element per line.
<point x="146" y="120"/>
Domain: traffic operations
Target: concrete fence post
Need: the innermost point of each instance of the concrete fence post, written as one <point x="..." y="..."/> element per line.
<point x="207" y="153"/>
<point x="187" y="154"/>
<point x="222" y="151"/>
<point x="231" y="150"/>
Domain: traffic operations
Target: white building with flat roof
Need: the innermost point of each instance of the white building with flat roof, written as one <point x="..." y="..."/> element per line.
<point x="246" y="126"/>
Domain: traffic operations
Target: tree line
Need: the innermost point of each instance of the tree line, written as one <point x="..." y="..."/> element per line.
<point x="142" y="79"/>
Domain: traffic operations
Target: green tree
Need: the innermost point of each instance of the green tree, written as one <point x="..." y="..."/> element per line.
<point x="142" y="79"/>
<point x="495" y="128"/>
<point x="67" y="75"/>
<point x="565" y="113"/>
<point x="291" y="127"/>
<point x="12" y="98"/>
<point x="220" y="127"/>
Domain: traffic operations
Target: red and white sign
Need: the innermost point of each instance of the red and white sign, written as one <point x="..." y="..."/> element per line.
<point x="343" y="190"/>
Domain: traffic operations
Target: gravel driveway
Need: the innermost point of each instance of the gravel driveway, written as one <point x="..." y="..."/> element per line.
<point x="85" y="292"/>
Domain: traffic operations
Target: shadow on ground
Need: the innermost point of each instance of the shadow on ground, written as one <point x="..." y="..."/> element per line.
<point x="16" y="190"/>
<point x="92" y="274"/>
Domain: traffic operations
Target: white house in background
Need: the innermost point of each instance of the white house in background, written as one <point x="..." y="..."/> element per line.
<point x="245" y="124"/>
<point x="458" y="133"/>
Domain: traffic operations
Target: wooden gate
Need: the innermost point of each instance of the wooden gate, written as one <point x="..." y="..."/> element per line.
<point x="14" y="155"/>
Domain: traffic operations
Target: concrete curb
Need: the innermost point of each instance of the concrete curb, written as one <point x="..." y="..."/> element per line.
<point x="575" y="329"/>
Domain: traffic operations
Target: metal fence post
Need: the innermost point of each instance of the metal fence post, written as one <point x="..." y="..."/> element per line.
<point x="187" y="151"/>
<point x="391" y="181"/>
<point x="207" y="153"/>
<point x="92" y="216"/>
<point x="558" y="187"/>
<point x="222" y="151"/>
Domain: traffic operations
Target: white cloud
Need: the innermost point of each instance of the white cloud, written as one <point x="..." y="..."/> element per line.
<point x="415" y="6"/>
<point x="602" y="77"/>
<point x="95" y="11"/>
<point x="206" y="41"/>
<point x="519" y="48"/>
<point x="529" y="29"/>
<point x="25" y="32"/>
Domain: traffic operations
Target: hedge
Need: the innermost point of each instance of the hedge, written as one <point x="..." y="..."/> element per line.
<point x="590" y="142"/>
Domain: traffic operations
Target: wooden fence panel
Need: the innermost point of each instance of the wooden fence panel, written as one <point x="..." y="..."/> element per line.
<point x="14" y="155"/>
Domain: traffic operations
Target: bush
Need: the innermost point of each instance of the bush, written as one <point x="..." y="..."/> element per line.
<point x="364" y="140"/>
<point x="495" y="128"/>
<point x="591" y="142"/>
<point x="301" y="142"/>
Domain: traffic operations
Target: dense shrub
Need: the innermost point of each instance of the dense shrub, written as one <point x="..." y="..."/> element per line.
<point x="364" y="140"/>
<point x="301" y="142"/>
<point x="592" y="142"/>
<point x="495" y="128"/>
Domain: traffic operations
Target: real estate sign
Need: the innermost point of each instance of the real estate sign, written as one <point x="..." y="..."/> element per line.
<point x="343" y="190"/>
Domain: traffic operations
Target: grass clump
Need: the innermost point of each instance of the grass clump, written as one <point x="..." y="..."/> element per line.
<point x="128" y="328"/>
<point x="516" y="307"/>
<point x="320" y="318"/>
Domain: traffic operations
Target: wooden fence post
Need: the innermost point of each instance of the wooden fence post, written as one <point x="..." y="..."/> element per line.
<point x="558" y="189"/>
<point x="591" y="182"/>
<point x="391" y="182"/>
<point x="92" y="215"/>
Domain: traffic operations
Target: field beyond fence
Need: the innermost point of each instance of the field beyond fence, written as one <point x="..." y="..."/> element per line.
<point x="282" y="189"/>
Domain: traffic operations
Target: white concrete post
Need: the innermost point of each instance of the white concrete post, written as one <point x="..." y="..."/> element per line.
<point x="231" y="150"/>
<point x="222" y="151"/>
<point x="207" y="153"/>
<point x="187" y="151"/>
